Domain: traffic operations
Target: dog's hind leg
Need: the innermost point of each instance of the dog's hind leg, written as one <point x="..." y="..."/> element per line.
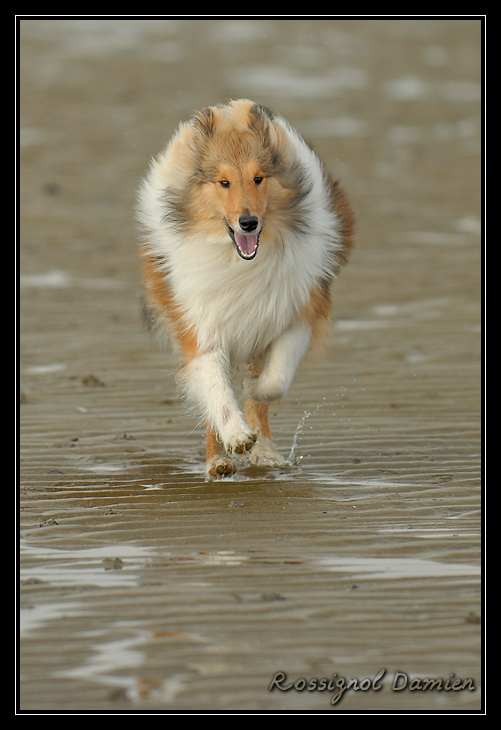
<point x="218" y="464"/>
<point x="264" y="452"/>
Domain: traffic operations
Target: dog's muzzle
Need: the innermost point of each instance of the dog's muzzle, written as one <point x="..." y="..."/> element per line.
<point x="247" y="240"/>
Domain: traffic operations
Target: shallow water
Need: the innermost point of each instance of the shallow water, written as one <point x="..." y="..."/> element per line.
<point x="144" y="587"/>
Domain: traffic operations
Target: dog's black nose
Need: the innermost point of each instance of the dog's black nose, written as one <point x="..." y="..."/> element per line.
<point x="248" y="223"/>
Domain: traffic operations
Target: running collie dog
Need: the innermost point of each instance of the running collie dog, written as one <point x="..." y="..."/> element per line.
<point x="244" y="233"/>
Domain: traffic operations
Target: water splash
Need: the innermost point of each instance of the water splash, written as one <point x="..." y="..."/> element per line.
<point x="292" y="459"/>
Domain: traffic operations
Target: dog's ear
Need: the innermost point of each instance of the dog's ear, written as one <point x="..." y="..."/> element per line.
<point x="260" y="117"/>
<point x="205" y="121"/>
<point x="261" y="112"/>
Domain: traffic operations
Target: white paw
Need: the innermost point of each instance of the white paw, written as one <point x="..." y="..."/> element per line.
<point x="264" y="453"/>
<point x="240" y="443"/>
<point x="234" y="432"/>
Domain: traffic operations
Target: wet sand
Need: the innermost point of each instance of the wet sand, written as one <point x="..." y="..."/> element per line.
<point x="144" y="587"/>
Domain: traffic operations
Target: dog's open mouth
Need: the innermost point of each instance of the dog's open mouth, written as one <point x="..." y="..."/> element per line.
<point x="245" y="244"/>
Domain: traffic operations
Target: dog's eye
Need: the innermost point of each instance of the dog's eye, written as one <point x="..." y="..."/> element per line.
<point x="224" y="183"/>
<point x="258" y="180"/>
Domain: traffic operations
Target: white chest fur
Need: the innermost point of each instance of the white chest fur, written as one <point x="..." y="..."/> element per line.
<point x="242" y="306"/>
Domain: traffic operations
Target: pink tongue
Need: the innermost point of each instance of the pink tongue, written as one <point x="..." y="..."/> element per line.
<point x="246" y="244"/>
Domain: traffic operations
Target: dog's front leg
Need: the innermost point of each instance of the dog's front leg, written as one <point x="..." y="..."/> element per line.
<point x="207" y="385"/>
<point x="281" y="363"/>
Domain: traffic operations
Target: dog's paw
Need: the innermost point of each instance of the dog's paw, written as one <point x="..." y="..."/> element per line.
<point x="220" y="466"/>
<point x="241" y="443"/>
<point x="234" y="432"/>
<point x="264" y="453"/>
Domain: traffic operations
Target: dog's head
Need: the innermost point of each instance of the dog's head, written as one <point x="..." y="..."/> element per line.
<point x="239" y="158"/>
<point x="232" y="175"/>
